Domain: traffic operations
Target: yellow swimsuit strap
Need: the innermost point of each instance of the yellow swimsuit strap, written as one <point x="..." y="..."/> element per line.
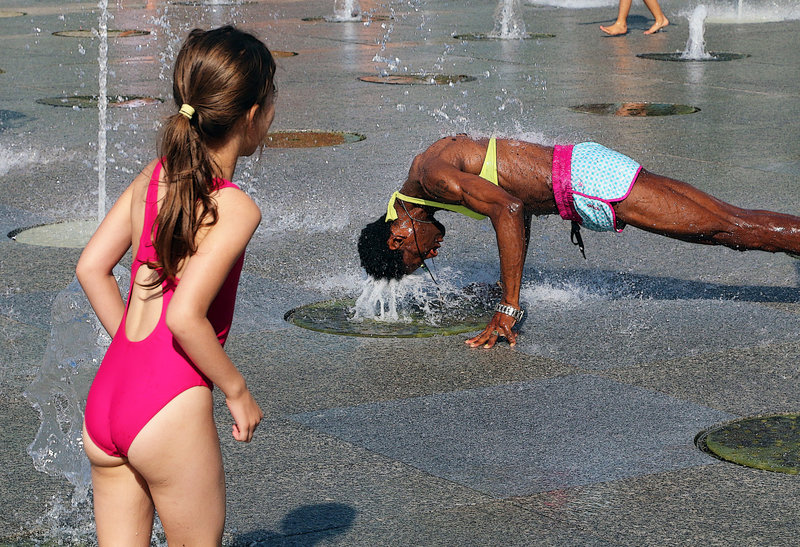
<point x="489" y="169"/>
<point x="488" y="172"/>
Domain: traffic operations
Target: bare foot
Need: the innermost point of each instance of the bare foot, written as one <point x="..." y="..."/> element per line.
<point x="657" y="26"/>
<point x="617" y="29"/>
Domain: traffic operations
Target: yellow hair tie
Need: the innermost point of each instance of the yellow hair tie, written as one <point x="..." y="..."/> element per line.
<point x="187" y="111"/>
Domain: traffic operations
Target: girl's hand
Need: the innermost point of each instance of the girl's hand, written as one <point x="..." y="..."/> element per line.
<point x="246" y="416"/>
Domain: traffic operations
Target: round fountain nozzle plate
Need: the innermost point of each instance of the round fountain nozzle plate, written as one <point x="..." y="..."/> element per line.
<point x="635" y="109"/>
<point x="679" y="57"/>
<point x="479" y="36"/>
<point x="417" y="79"/>
<point x="5" y="13"/>
<point x="89" y="101"/>
<point x="334" y="317"/>
<point x="88" y="33"/>
<point x="310" y="139"/>
<point x="282" y="54"/>
<point x="71" y="235"/>
<point x="771" y="443"/>
<point x="363" y="18"/>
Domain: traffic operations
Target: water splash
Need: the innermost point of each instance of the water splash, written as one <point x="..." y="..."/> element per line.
<point x="695" y="45"/>
<point x="508" y="23"/>
<point x="74" y="351"/>
<point x="345" y="10"/>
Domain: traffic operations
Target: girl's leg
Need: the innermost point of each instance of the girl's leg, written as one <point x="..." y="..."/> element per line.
<point x="123" y="509"/>
<point x="661" y="20"/>
<point x="678" y="210"/>
<point x="620" y="26"/>
<point x="178" y="454"/>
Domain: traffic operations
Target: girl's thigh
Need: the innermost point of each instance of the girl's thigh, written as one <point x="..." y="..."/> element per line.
<point x="178" y="454"/>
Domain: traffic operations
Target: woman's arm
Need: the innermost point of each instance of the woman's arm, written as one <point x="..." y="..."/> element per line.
<point x="105" y="249"/>
<point x="445" y="182"/>
<point x="200" y="281"/>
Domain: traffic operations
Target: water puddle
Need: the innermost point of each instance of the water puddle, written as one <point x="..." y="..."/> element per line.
<point x="9" y="118"/>
<point x="417" y="79"/>
<point x="771" y="443"/>
<point x="680" y="57"/>
<point x="88" y="33"/>
<point x="90" y="101"/>
<point x="635" y="110"/>
<point x="310" y="139"/>
<point x="70" y="235"/>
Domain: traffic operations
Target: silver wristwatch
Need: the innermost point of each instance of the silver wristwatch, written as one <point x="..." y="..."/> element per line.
<point x="511" y="312"/>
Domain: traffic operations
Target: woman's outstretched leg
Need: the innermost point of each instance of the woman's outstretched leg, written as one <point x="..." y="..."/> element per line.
<point x="678" y="210"/>
<point x="178" y="454"/>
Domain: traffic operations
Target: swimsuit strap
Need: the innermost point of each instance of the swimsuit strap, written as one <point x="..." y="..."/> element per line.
<point x="489" y="169"/>
<point x="146" y="252"/>
<point x="488" y="172"/>
<point x="391" y="214"/>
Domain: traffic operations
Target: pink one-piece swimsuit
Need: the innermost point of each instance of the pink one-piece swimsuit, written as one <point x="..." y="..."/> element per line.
<point x="137" y="379"/>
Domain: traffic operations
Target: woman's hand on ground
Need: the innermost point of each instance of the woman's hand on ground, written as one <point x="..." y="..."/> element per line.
<point x="500" y="325"/>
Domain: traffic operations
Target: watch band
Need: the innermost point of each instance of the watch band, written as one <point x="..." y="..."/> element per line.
<point x="510" y="311"/>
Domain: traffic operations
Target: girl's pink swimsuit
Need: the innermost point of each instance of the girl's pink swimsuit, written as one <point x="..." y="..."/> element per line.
<point x="137" y="379"/>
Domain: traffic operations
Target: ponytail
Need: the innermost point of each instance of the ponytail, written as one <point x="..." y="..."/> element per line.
<point x="219" y="76"/>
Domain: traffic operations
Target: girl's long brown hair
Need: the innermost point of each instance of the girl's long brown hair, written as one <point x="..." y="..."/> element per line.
<point x="222" y="74"/>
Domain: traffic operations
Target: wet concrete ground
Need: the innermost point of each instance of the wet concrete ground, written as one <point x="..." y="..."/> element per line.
<point x="581" y="435"/>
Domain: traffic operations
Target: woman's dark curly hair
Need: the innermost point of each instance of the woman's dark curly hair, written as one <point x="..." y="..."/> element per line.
<point x="377" y="258"/>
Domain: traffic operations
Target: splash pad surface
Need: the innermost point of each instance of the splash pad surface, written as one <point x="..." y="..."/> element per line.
<point x="635" y="110"/>
<point x="336" y="317"/>
<point x="310" y="139"/>
<point x="70" y="235"/>
<point x="417" y="79"/>
<point x="88" y="33"/>
<point x="771" y="443"/>
<point x="477" y="36"/>
<point x="90" y="101"/>
<point x="679" y="57"/>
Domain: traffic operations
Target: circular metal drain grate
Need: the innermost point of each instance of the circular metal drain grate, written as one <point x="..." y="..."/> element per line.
<point x="88" y="33"/>
<point x="417" y="79"/>
<point x="89" y="101"/>
<point x="771" y="443"/>
<point x="334" y="317"/>
<point x="715" y="56"/>
<point x="479" y="36"/>
<point x="74" y="234"/>
<point x="331" y="19"/>
<point x="211" y="3"/>
<point x="310" y="139"/>
<point x="635" y="110"/>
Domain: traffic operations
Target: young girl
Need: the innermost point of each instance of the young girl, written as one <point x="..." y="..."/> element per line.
<point x="149" y="432"/>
